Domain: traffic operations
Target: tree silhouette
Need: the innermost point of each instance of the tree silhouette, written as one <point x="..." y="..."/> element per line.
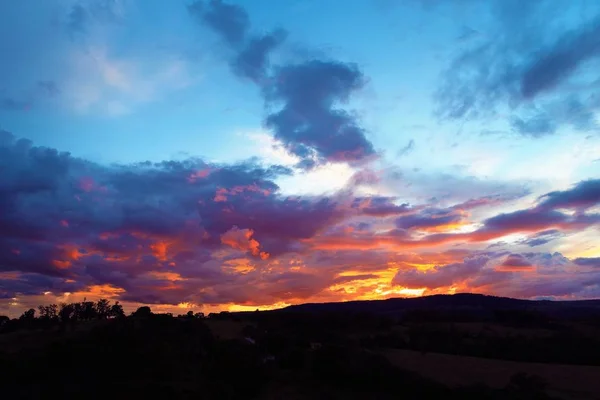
<point x="66" y="312"/>
<point x="143" y="311"/>
<point x="88" y="310"/>
<point x="49" y="312"/>
<point x="116" y="310"/>
<point x="103" y="308"/>
<point x="28" y="315"/>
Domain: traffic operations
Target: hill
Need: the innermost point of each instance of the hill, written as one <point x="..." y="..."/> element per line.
<point x="468" y="303"/>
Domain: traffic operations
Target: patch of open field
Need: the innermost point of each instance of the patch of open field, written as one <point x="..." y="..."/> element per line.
<point x="566" y="381"/>
<point x="226" y="329"/>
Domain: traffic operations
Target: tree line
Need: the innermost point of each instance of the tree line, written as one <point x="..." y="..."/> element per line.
<point x="52" y="314"/>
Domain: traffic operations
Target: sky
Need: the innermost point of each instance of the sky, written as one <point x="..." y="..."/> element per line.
<point x="240" y="155"/>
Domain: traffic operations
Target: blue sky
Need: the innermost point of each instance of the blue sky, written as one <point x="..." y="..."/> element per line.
<point x="423" y="102"/>
<point x="128" y="89"/>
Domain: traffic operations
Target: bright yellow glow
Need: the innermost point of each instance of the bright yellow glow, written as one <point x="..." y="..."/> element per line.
<point x="372" y="288"/>
<point x="589" y="253"/>
<point x="238" y="307"/>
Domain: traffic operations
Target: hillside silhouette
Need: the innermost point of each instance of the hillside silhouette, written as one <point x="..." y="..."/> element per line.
<point x="356" y="350"/>
<point x="468" y="303"/>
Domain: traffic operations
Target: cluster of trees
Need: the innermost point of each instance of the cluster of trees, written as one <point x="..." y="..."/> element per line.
<point x="52" y="314"/>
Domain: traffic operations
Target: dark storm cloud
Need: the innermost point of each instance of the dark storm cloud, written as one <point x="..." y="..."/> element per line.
<point x="308" y="120"/>
<point x="523" y="68"/>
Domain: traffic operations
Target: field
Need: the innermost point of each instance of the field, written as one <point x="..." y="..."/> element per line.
<point x="566" y="381"/>
<point x="226" y="329"/>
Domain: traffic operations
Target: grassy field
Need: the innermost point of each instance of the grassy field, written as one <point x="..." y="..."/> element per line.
<point x="566" y="381"/>
<point x="226" y="329"/>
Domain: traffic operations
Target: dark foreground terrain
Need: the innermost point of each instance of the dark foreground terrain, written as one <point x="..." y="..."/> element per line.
<point x="462" y="346"/>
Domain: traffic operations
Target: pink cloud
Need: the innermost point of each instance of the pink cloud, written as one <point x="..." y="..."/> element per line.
<point x="241" y="239"/>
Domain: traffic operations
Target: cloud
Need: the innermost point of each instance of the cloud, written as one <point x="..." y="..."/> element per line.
<point x="443" y="187"/>
<point x="74" y="220"/>
<point x="212" y="233"/>
<point x="537" y="126"/>
<point x="530" y="69"/>
<point x="437" y="227"/>
<point x="228" y="20"/>
<point x="561" y="60"/>
<point x="82" y="15"/>
<point x="309" y="122"/>
<point x="77" y="19"/>
<point x="446" y="275"/>
<point x="410" y="146"/>
<point x="39" y="93"/>
<point x="543" y="237"/>
<point x="431" y="219"/>
<point x="84" y="69"/>
<point x="380" y="206"/>
<point x="584" y="195"/>
<point x="588" y="262"/>
<point x="102" y="82"/>
<point x="241" y="239"/>
<point x="253" y="61"/>
<point x="525" y="220"/>
<point x="515" y="262"/>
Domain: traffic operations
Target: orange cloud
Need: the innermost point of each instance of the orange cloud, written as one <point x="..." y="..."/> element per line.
<point x="159" y="250"/>
<point x="166" y="275"/>
<point x="61" y="264"/>
<point x="9" y="275"/>
<point x="241" y="239"/>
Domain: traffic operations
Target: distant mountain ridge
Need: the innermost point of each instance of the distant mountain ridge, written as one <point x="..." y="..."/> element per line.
<point x="467" y="302"/>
